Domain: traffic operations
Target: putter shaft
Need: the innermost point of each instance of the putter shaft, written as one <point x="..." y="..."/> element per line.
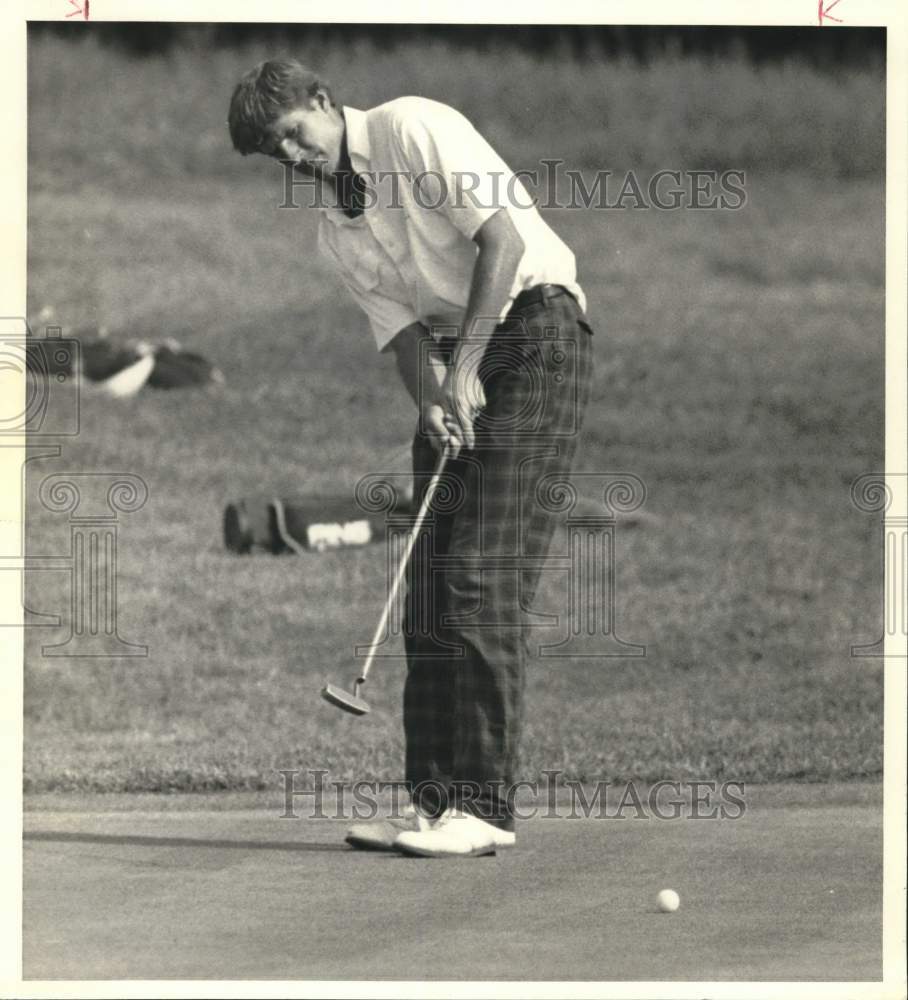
<point x="350" y="701"/>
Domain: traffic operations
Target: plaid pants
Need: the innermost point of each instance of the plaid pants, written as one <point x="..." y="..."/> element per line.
<point x="475" y="567"/>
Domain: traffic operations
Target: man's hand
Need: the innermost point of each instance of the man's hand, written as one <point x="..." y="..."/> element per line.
<point x="462" y="397"/>
<point x="449" y="399"/>
<point x="432" y="423"/>
<point x="448" y="420"/>
<point x="500" y="250"/>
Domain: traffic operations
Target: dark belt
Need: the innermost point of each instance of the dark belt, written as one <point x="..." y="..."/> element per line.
<point x="537" y="295"/>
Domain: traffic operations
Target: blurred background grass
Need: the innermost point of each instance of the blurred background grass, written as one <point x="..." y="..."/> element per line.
<point x="675" y="110"/>
<point x="739" y="374"/>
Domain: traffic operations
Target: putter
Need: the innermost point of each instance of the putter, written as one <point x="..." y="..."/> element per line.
<point x="350" y="701"/>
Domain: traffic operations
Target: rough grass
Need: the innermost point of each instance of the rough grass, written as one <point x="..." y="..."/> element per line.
<point x="675" y="113"/>
<point x="739" y="374"/>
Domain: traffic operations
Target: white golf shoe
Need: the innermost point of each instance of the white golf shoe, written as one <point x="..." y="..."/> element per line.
<point x="455" y="835"/>
<point x="381" y="834"/>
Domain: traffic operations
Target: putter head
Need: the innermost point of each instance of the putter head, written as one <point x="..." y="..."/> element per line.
<point x="349" y="701"/>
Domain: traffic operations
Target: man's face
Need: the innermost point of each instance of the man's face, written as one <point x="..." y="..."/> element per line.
<point x="309" y="136"/>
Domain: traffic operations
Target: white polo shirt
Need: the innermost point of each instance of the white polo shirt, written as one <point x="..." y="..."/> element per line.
<point x="431" y="182"/>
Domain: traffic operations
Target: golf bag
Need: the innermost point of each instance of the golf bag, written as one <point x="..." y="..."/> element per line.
<point x="303" y="523"/>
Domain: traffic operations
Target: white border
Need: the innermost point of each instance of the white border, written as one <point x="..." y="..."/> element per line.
<point x="12" y="303"/>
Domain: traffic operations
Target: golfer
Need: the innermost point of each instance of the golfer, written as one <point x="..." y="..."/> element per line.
<point x="439" y="244"/>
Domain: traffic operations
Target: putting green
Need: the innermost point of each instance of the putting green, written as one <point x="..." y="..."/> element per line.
<point x="119" y="889"/>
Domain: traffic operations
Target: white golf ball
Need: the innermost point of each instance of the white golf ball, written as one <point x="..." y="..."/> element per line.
<point x="668" y="900"/>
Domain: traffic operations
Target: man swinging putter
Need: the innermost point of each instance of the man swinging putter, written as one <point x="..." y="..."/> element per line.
<point x="441" y="247"/>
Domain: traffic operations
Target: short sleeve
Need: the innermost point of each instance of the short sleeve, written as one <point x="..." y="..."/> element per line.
<point x="453" y="169"/>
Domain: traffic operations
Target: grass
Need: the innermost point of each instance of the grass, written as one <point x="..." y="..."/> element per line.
<point x="675" y="113"/>
<point x="739" y="374"/>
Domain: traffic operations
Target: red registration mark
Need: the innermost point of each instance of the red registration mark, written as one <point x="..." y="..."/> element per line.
<point x="78" y="8"/>
<point x="823" y="10"/>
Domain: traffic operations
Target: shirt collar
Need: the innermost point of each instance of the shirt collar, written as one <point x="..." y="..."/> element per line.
<point x="357" y="138"/>
<point x="357" y="135"/>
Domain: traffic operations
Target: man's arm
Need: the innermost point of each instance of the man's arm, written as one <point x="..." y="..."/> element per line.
<point x="423" y="373"/>
<point x="419" y="375"/>
<point x="500" y="252"/>
<point x="449" y="397"/>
